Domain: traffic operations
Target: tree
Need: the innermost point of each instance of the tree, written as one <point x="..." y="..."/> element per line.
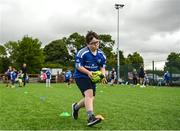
<point x="173" y="62"/>
<point x="27" y="50"/>
<point x="31" y="53"/>
<point x="136" y="60"/>
<point x="56" y="52"/>
<point x="74" y="43"/>
<point x="11" y="50"/>
<point x="4" y="61"/>
<point x="106" y="45"/>
<point x="2" y="51"/>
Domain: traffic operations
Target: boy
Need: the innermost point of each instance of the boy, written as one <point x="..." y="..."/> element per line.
<point x="8" y="76"/>
<point x="88" y="60"/>
<point x="48" y="78"/>
<point x="68" y="76"/>
<point x="166" y="78"/>
<point x="24" y="71"/>
<point x="113" y="76"/>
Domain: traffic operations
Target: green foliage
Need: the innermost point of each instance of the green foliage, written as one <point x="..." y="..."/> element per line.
<point x="27" y="50"/>
<point x="106" y="45"/>
<point x="56" y="52"/>
<point x="11" y="49"/>
<point x="30" y="52"/>
<point x="4" y="63"/>
<point x="2" y="51"/>
<point x="135" y="60"/>
<point x="75" y="41"/>
<point x="173" y="62"/>
<point x="106" y="41"/>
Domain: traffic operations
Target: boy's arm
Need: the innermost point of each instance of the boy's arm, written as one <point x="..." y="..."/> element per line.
<point x="85" y="71"/>
<point x="103" y="70"/>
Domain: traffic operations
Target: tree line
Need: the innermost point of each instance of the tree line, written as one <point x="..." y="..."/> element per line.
<point x="60" y="53"/>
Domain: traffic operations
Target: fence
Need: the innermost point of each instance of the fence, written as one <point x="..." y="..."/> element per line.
<point x="154" y="74"/>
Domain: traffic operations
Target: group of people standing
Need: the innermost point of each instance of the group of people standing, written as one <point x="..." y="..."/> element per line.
<point x="12" y="76"/>
<point x="143" y="79"/>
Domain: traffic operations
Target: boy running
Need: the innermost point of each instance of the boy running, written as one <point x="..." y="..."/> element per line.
<point x="88" y="60"/>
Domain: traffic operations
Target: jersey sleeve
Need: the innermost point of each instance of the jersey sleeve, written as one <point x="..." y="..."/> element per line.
<point x="79" y="61"/>
<point x="103" y="60"/>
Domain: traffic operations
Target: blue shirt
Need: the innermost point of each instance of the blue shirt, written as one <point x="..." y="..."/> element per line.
<point x="89" y="61"/>
<point x="166" y="76"/>
<point x="13" y="75"/>
<point x="48" y="74"/>
<point x="68" y="75"/>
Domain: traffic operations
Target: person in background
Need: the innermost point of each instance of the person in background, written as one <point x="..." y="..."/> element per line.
<point x="8" y="76"/>
<point x="48" y="78"/>
<point x="20" y="78"/>
<point x="13" y="77"/>
<point x="141" y="75"/>
<point x="134" y="73"/>
<point x="24" y="72"/>
<point x="113" y="76"/>
<point x="68" y="76"/>
<point x="166" y="78"/>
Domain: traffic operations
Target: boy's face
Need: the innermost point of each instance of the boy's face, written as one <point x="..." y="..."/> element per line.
<point x="94" y="44"/>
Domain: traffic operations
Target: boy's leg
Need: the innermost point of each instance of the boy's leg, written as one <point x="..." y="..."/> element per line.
<point x="24" y="80"/>
<point x="49" y="83"/>
<point x="76" y="107"/>
<point x="46" y="82"/>
<point x="88" y="100"/>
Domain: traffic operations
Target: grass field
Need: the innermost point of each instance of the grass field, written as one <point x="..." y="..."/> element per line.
<point x="123" y="107"/>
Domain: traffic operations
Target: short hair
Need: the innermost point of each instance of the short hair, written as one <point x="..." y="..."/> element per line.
<point x="90" y="35"/>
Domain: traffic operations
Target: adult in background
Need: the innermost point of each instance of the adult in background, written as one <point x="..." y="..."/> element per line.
<point x="141" y="75"/>
<point x="24" y="72"/>
<point x="113" y="76"/>
<point x="134" y="73"/>
<point x="48" y="78"/>
<point x="166" y="78"/>
<point x="8" y="76"/>
<point x="68" y="76"/>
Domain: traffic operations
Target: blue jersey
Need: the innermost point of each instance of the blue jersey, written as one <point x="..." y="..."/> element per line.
<point x="68" y="75"/>
<point x="48" y="74"/>
<point x="166" y="76"/>
<point x="13" y="75"/>
<point x="89" y="61"/>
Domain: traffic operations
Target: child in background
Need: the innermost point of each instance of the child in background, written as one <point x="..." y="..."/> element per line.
<point x="48" y="78"/>
<point x="13" y="77"/>
<point x="20" y="78"/>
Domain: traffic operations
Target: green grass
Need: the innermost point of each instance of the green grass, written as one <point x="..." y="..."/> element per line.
<point x="122" y="107"/>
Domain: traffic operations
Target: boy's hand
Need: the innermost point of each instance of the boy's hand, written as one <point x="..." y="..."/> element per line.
<point x="97" y="76"/>
<point x="104" y="81"/>
<point x="90" y="74"/>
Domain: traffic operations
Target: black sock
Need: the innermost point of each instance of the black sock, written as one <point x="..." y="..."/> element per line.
<point x="77" y="107"/>
<point x="90" y="113"/>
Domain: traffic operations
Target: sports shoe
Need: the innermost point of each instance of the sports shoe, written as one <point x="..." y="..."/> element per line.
<point x="74" y="111"/>
<point x="93" y="120"/>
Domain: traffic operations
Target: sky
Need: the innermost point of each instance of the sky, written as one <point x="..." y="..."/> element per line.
<point x="149" y="27"/>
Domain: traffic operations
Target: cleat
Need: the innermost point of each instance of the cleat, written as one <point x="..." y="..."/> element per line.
<point x="93" y="121"/>
<point x="74" y="111"/>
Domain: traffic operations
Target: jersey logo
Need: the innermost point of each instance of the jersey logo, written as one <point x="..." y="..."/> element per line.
<point x="77" y="60"/>
<point x="99" y="60"/>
